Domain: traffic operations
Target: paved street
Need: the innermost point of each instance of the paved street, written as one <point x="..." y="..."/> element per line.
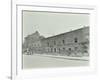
<point x="39" y="61"/>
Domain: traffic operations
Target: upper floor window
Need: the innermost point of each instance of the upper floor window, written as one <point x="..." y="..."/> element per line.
<point x="47" y="44"/>
<point x="54" y="42"/>
<point x="76" y="48"/>
<point x="63" y="48"/>
<point x="75" y="40"/>
<point x="63" y="41"/>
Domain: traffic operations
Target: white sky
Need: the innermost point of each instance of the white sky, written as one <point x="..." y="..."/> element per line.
<point x="49" y="24"/>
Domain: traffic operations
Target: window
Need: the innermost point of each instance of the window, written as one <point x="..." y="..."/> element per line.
<point x="54" y="49"/>
<point x="63" y="41"/>
<point x="59" y="49"/>
<point x="48" y="49"/>
<point x="76" y="48"/>
<point x="63" y="48"/>
<point x="75" y="40"/>
<point x="54" y="42"/>
<point x="51" y="49"/>
<point x="47" y="44"/>
<point x="69" y="49"/>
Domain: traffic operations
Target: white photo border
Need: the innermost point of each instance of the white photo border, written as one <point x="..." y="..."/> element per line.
<point x="17" y="71"/>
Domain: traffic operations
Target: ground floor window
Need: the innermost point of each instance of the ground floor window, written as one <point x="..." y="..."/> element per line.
<point x="69" y="49"/>
<point x="54" y="49"/>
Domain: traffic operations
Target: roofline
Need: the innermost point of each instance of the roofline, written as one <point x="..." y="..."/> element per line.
<point x="65" y="32"/>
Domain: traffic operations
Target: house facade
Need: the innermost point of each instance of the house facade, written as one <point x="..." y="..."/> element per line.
<point x="32" y="44"/>
<point x="73" y="43"/>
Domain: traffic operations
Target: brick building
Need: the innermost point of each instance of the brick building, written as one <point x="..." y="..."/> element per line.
<point x="73" y="43"/>
<point x="32" y="43"/>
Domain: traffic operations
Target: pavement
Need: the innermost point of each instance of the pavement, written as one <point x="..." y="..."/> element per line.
<point x="84" y="58"/>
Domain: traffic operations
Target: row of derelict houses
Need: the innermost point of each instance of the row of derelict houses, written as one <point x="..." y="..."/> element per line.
<point x="72" y="43"/>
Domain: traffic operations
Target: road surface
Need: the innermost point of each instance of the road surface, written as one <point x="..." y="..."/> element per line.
<point x="39" y="61"/>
